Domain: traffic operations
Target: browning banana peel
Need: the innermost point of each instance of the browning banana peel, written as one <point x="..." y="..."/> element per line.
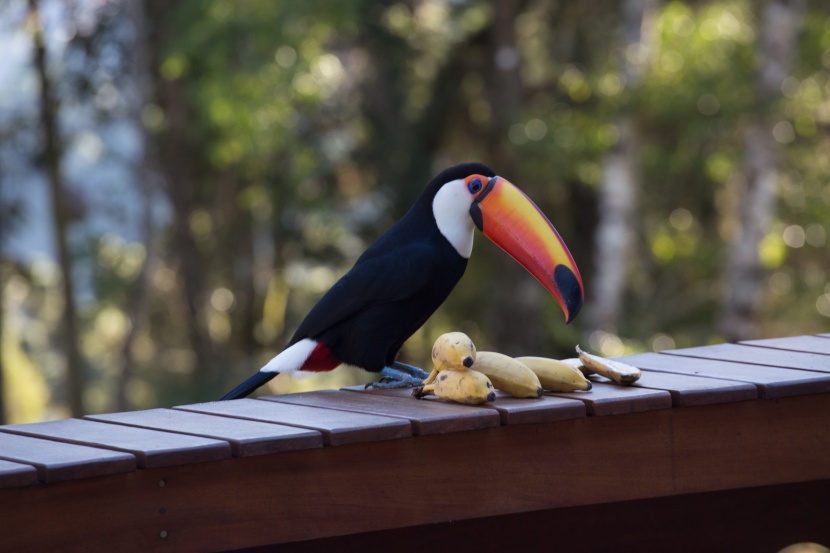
<point x="620" y="373"/>
<point x="462" y="386"/>
<point x="453" y="350"/>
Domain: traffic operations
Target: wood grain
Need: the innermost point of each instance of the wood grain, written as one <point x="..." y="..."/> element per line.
<point x="771" y="382"/>
<point x="611" y="399"/>
<point x="245" y="437"/>
<point x="687" y="391"/>
<point x="511" y="410"/>
<point x="150" y="448"/>
<point x="757" y="356"/>
<point x="426" y="417"/>
<point x="715" y="522"/>
<point x="16" y="474"/>
<point x="808" y="344"/>
<point x="318" y="493"/>
<point x="56" y="461"/>
<point x="336" y="427"/>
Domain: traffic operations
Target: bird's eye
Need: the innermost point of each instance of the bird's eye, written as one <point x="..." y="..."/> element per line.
<point x="474" y="186"/>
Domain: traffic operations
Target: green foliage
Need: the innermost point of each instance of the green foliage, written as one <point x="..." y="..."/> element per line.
<point x="312" y="125"/>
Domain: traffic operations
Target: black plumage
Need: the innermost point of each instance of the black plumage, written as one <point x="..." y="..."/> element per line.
<point x="392" y="289"/>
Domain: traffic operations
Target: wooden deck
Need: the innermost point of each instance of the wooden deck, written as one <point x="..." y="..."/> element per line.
<point x="716" y="448"/>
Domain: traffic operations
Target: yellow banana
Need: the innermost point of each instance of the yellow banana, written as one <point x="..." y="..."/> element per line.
<point x="616" y="371"/>
<point x="556" y="376"/>
<point x="462" y="386"/>
<point x="453" y="350"/>
<point x="507" y="374"/>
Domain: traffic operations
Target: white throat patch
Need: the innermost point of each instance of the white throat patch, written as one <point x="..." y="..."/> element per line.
<point x="451" y="209"/>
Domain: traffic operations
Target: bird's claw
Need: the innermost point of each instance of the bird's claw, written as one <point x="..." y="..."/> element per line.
<point x="397" y="378"/>
<point x="410" y="370"/>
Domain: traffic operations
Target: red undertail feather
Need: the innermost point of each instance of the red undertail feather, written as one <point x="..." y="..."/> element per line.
<point x="320" y="360"/>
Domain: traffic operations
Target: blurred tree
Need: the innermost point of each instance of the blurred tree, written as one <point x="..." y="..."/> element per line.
<point x="261" y="146"/>
<point x="51" y="158"/>
<point x="147" y="177"/>
<point x="620" y="183"/>
<point x="781" y="21"/>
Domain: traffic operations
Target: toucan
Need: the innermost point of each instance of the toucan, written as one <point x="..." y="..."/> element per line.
<point x="402" y="278"/>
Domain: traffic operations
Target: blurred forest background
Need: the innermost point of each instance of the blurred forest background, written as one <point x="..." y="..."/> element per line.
<point x="180" y="181"/>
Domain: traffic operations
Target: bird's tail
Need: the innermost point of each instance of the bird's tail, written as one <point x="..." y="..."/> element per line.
<point x="289" y="360"/>
<point x="250" y="384"/>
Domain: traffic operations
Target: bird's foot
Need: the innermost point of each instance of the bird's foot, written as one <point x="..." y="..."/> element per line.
<point x="397" y="378"/>
<point x="410" y="370"/>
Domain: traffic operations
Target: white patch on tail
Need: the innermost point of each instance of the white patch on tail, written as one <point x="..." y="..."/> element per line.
<point x="291" y="359"/>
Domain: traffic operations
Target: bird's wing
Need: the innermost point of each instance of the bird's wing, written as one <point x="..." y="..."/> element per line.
<point x="378" y="279"/>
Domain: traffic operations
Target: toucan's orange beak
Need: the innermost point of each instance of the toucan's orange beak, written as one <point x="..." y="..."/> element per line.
<point x="510" y="219"/>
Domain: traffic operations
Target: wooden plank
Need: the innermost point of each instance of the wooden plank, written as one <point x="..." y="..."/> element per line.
<point x="687" y="391"/>
<point x="757" y="356"/>
<point x="770" y="382"/>
<point x="808" y="344"/>
<point x="611" y="399"/>
<point x="726" y="521"/>
<point x="245" y="437"/>
<point x="56" y="461"/>
<point x="150" y="448"/>
<point x="336" y="427"/>
<point x="16" y="474"/>
<point x="317" y="493"/>
<point x="426" y="417"/>
<point x="511" y="410"/>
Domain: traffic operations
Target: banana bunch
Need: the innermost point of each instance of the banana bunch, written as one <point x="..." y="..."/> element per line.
<point x="459" y="385"/>
<point x="453" y="350"/>
<point x="451" y="378"/>
<point x="463" y="375"/>
<point x="588" y="364"/>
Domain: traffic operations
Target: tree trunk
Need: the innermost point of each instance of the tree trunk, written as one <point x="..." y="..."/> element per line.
<point x="514" y="320"/>
<point x="178" y="160"/>
<point x="617" y="206"/>
<point x="52" y="153"/>
<point x="147" y="178"/>
<point x="780" y="24"/>
<point x="619" y="189"/>
<point x="2" y="320"/>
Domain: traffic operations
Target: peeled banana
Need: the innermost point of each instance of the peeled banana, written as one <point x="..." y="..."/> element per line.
<point x="616" y="371"/>
<point x="453" y="350"/>
<point x="507" y="374"/>
<point x="556" y="376"/>
<point x="462" y="386"/>
<point x="577" y="364"/>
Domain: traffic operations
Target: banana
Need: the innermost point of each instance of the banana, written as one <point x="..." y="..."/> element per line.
<point x="453" y="350"/>
<point x="577" y="364"/>
<point x="556" y="376"/>
<point x="462" y="386"/>
<point x="616" y="371"/>
<point x="507" y="374"/>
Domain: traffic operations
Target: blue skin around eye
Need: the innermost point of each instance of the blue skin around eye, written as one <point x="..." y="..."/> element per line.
<point x="474" y="186"/>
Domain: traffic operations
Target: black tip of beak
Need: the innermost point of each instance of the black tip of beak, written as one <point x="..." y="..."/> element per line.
<point x="568" y="285"/>
<point x="468" y="361"/>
